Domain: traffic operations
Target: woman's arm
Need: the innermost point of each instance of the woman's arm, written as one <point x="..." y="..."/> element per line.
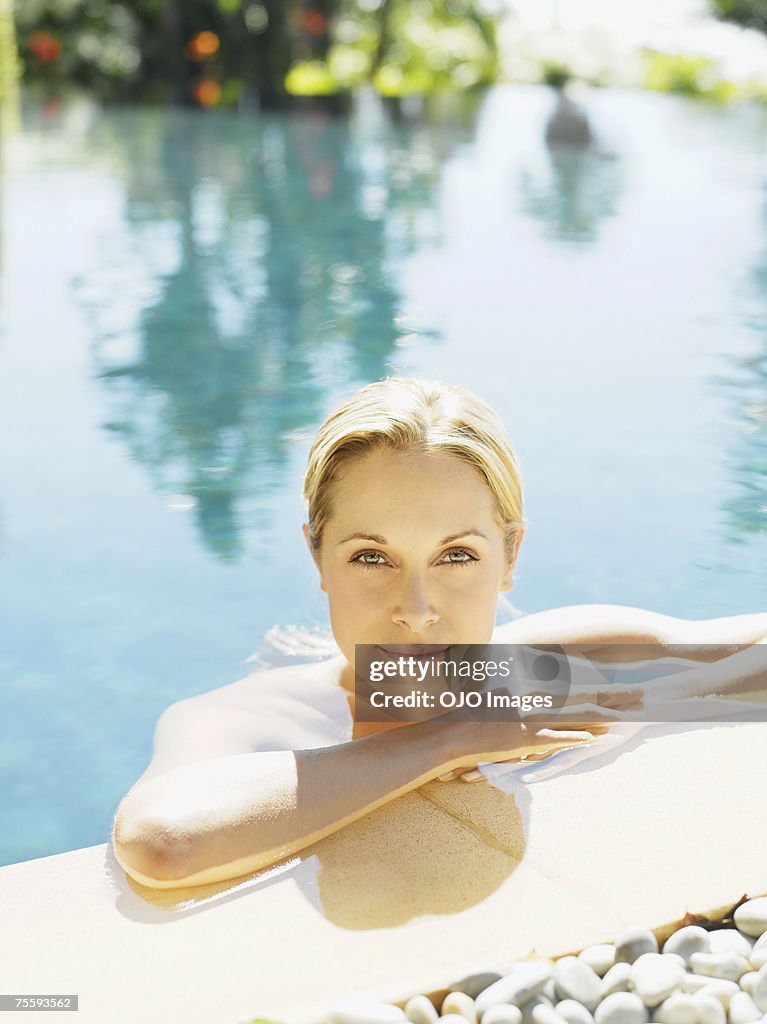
<point x="620" y="632"/>
<point x="228" y="816"/>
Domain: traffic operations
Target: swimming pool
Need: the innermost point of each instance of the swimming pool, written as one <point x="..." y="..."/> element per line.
<point x="184" y="296"/>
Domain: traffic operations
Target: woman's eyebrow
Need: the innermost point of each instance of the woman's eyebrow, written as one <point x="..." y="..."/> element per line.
<point x="378" y="539"/>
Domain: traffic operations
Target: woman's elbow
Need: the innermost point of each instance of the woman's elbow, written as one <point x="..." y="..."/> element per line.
<point x="149" y="851"/>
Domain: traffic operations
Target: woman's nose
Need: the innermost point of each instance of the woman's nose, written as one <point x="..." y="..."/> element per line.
<point x="413" y="608"/>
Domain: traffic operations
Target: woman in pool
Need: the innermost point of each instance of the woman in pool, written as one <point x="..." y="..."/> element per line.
<point x="415" y="524"/>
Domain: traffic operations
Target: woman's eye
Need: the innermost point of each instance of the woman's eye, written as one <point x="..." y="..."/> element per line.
<point x="462" y="557"/>
<point x="369" y="559"/>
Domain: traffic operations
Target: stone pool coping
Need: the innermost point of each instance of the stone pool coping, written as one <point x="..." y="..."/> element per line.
<point x="444" y="881"/>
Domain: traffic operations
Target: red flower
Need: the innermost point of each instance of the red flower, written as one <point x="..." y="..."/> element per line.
<point x="313" y="21"/>
<point x="43" y="46"/>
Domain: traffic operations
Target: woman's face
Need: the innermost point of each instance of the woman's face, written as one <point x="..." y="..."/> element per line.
<point x="413" y="553"/>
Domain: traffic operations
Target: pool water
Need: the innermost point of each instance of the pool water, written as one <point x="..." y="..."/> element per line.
<point x="185" y="295"/>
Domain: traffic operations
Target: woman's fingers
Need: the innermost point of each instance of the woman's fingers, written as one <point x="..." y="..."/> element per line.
<point x="554" y="740"/>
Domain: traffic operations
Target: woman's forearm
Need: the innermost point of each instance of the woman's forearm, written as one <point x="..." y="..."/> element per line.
<point x="228" y="816"/>
<point x="621" y="633"/>
<point x="744" y="672"/>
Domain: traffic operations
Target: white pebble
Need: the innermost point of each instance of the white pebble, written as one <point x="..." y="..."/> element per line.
<point x="519" y="986"/>
<point x="574" y="1012"/>
<point x="721" y="990"/>
<point x="743" y="1009"/>
<point x="655" y="976"/>
<point x="729" y="966"/>
<point x="617" y="979"/>
<point x="710" y="1009"/>
<point x="679" y="1008"/>
<point x="460" y="1003"/>
<point x="758" y="957"/>
<point x="529" y="1008"/>
<point x="544" y="1013"/>
<point x="503" y="1013"/>
<point x="751" y="917"/>
<point x="748" y="981"/>
<point x="600" y="957"/>
<point x="730" y="940"/>
<point x="621" y="1008"/>
<point x="759" y="991"/>
<point x="365" y="1013"/>
<point x="686" y="941"/>
<point x="574" y="979"/>
<point x="475" y="983"/>
<point x="420" y="1010"/>
<point x="632" y="943"/>
<point x="452" y="1018"/>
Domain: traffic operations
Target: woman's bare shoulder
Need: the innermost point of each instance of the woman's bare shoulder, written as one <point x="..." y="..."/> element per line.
<point x="287" y="708"/>
<point x="265" y="687"/>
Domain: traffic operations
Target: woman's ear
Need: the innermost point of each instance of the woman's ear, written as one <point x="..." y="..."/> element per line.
<point x="313" y="553"/>
<point x="507" y="581"/>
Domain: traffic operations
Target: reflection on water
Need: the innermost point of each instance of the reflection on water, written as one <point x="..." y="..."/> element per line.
<point x="580" y="187"/>
<point x="269" y="252"/>
<point x="747" y="387"/>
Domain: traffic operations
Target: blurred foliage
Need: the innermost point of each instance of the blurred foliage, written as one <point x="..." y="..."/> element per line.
<point x="747" y="13"/>
<point x="688" y="75"/>
<point x="9" y="61"/>
<point x="556" y="74"/>
<point x="223" y="52"/>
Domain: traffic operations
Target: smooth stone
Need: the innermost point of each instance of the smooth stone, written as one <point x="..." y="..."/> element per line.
<point x="420" y="1010"/>
<point x="574" y="979"/>
<point x="710" y="1009"/>
<point x="758" y="957"/>
<point x="679" y="1008"/>
<point x="519" y="986"/>
<point x="550" y="991"/>
<point x="743" y="1009"/>
<point x="529" y="1008"/>
<point x="574" y="1012"/>
<point x="655" y="976"/>
<point x="632" y="943"/>
<point x="721" y="990"/>
<point x="751" y="917"/>
<point x="600" y="957"/>
<point x="621" y="1008"/>
<point x="726" y="965"/>
<point x="759" y="991"/>
<point x="686" y="941"/>
<point x="475" y="983"/>
<point x="503" y="1013"/>
<point x="677" y="958"/>
<point x="452" y="1018"/>
<point x="365" y="1013"/>
<point x="730" y="940"/>
<point x="617" y="979"/>
<point x="461" y="1004"/>
<point x="748" y="981"/>
<point x="546" y="1014"/>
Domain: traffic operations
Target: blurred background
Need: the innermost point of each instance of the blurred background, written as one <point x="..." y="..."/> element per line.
<point x="220" y="217"/>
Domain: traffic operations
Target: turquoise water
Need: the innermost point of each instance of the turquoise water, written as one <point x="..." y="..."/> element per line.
<point x="184" y="296"/>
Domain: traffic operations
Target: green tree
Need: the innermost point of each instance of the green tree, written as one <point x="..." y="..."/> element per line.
<point x="222" y="52"/>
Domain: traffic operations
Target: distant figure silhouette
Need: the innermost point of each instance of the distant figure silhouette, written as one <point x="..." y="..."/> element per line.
<point x="568" y="125"/>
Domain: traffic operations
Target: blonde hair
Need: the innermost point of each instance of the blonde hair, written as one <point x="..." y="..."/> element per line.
<point x="403" y="414"/>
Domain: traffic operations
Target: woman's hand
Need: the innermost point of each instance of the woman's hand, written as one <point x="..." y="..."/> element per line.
<point x="588" y="714"/>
